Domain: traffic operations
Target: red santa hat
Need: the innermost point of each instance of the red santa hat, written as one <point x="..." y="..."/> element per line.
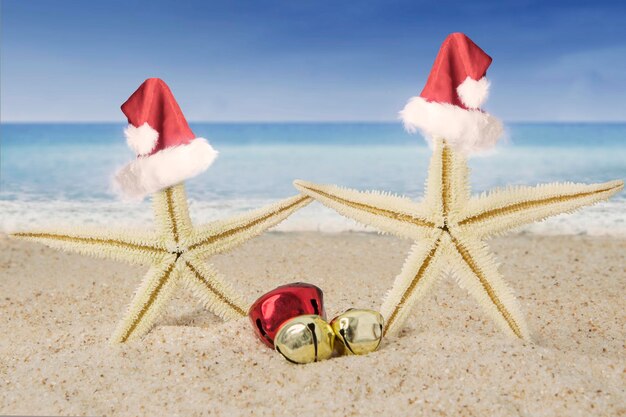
<point x="167" y="150"/>
<point x="449" y="105"/>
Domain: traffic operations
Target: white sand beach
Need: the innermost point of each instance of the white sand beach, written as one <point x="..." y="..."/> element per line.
<point x="57" y="311"/>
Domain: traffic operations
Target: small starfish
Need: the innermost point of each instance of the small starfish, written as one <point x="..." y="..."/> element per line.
<point x="176" y="252"/>
<point x="449" y="228"/>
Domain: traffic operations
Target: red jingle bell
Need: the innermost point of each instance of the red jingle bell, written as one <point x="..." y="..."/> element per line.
<point x="274" y="308"/>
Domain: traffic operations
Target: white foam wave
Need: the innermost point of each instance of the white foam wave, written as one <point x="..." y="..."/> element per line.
<point x="605" y="219"/>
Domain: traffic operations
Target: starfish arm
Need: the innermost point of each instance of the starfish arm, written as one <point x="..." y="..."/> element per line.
<point x="476" y="271"/>
<point x="214" y="293"/>
<point x="507" y="208"/>
<point x="447" y="185"/>
<point x="421" y="269"/>
<point x="149" y="301"/>
<point x="172" y="215"/>
<point x="134" y="248"/>
<point x="388" y="213"/>
<point x="219" y="236"/>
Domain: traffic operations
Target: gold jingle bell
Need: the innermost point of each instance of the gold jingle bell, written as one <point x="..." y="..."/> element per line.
<point x="305" y="339"/>
<point x="358" y="332"/>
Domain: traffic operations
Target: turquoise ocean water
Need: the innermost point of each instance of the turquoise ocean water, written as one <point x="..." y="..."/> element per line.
<point x="59" y="174"/>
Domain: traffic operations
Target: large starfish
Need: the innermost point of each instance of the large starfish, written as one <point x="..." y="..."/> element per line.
<point x="176" y="251"/>
<point x="449" y="228"/>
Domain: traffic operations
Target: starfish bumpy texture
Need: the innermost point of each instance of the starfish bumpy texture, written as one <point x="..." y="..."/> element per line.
<point x="449" y="228"/>
<point x="176" y="253"/>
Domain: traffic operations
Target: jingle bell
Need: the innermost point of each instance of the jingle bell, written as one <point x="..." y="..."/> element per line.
<point x="305" y="339"/>
<point x="274" y="308"/>
<point x="358" y="332"/>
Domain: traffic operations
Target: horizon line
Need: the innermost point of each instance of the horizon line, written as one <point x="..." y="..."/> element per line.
<point x="7" y="122"/>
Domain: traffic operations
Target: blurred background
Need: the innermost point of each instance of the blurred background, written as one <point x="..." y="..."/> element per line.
<point x="305" y="89"/>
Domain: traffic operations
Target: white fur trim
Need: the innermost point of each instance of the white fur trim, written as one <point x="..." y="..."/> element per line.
<point x="473" y="93"/>
<point x="142" y="139"/>
<point x="148" y="174"/>
<point x="468" y="131"/>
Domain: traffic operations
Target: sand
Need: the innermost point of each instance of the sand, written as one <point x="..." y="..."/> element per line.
<point x="57" y="311"/>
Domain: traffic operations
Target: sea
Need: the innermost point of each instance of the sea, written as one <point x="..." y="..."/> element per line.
<point x="57" y="175"/>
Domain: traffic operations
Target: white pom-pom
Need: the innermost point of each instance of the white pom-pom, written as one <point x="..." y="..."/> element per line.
<point x="141" y="139"/>
<point x="473" y="93"/>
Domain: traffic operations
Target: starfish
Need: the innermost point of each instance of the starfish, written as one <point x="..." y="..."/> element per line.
<point x="449" y="228"/>
<point x="176" y="253"/>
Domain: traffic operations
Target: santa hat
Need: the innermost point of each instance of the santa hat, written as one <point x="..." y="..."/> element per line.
<point x="167" y="150"/>
<point x="449" y="105"/>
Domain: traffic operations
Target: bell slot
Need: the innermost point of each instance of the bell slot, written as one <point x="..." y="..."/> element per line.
<point x="311" y="327"/>
<point x="342" y="333"/>
<point x="316" y="308"/>
<point x="259" y="325"/>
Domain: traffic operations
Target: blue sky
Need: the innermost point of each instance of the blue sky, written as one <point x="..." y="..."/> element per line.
<point x="306" y="60"/>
